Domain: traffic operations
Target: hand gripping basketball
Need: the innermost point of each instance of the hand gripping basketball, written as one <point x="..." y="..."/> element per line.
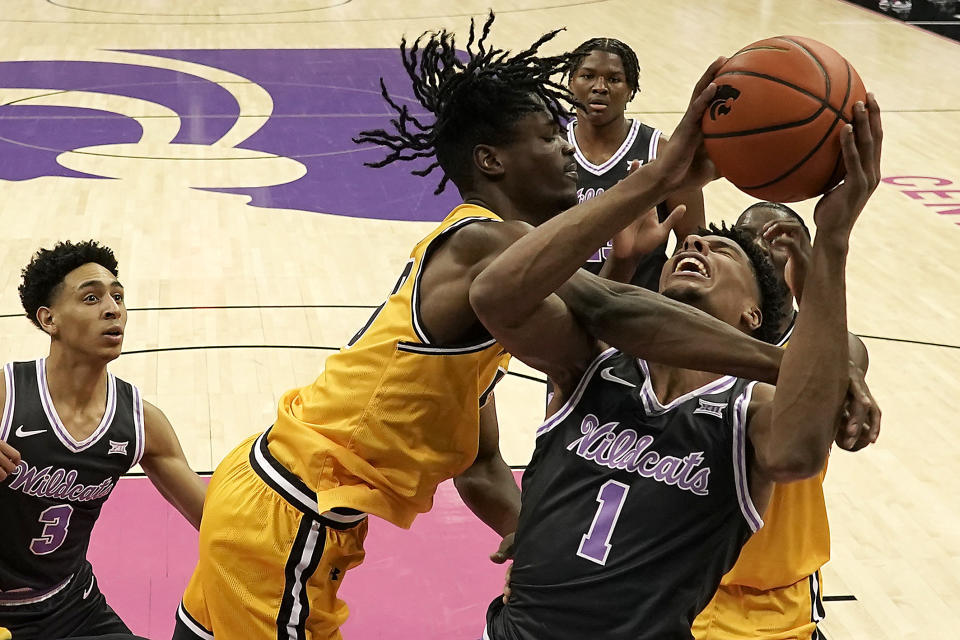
<point x="684" y="163"/>
<point x="839" y="210"/>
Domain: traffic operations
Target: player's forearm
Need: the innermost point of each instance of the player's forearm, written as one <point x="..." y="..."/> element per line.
<point x="620" y="269"/>
<point x="694" y="219"/>
<point x="181" y="487"/>
<point x="648" y="325"/>
<point x="492" y="494"/>
<point x="534" y="266"/>
<point x="814" y="374"/>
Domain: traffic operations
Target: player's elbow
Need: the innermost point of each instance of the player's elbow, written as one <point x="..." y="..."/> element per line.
<point x="491" y="302"/>
<point x="790" y="464"/>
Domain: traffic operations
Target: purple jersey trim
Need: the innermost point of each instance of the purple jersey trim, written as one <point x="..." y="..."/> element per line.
<point x="652" y="404"/>
<point x="654" y="145"/>
<point x="138" y="427"/>
<point x="749" y="510"/>
<point x="600" y="169"/>
<point x="8" y="406"/>
<point x="568" y="406"/>
<point x="58" y="427"/>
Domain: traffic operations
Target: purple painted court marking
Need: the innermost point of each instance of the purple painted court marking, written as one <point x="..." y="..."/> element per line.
<point x="322" y="98"/>
<point x="35" y="128"/>
<point x="189" y="96"/>
<point x="431" y="582"/>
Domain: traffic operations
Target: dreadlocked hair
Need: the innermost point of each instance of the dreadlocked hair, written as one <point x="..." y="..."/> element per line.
<point x="631" y="66"/>
<point x="473" y="101"/>
<point x="773" y="293"/>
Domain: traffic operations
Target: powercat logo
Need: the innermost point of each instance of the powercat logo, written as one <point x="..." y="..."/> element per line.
<point x="723" y="101"/>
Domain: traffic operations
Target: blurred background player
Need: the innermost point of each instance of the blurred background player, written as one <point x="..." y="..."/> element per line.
<point x="69" y="430"/>
<point x="774" y="589"/>
<point x="604" y="76"/>
<point x="681" y="463"/>
<point x="408" y="402"/>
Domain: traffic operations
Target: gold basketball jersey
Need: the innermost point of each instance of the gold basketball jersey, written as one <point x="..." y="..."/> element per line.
<point x="392" y="415"/>
<point x="794" y="541"/>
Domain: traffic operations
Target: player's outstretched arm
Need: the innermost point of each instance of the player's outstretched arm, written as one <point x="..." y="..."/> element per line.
<point x="792" y="431"/>
<point x="650" y="326"/>
<point x="544" y="259"/>
<point x="487" y="487"/>
<point x="166" y="466"/>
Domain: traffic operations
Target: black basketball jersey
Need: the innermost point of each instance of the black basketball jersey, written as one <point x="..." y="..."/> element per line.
<point x="640" y="144"/>
<point x="632" y="511"/>
<point x="53" y="498"/>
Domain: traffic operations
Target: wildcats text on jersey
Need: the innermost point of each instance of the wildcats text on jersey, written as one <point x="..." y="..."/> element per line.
<point x="58" y="484"/>
<point x="628" y="450"/>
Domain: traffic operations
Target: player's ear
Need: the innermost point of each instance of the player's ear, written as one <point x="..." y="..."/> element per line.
<point x="46" y="320"/>
<point x="752" y="318"/>
<point x="487" y="160"/>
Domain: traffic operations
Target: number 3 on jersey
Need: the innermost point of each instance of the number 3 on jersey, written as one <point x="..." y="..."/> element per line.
<point x="400" y="281"/>
<point x="56" y="524"/>
<point x="595" y="544"/>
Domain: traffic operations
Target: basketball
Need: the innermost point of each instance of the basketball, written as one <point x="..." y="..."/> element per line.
<point x="773" y="129"/>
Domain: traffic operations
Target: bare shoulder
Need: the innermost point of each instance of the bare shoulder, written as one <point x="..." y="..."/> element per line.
<point x="475" y="242"/>
<point x="153" y="417"/>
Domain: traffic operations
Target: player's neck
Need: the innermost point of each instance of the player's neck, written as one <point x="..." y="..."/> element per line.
<point x="789" y="312"/>
<point x="598" y="143"/>
<point x="503" y="206"/>
<point x="669" y="383"/>
<point x="75" y="382"/>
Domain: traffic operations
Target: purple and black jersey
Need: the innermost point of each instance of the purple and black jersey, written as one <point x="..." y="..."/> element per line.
<point x="53" y="498"/>
<point x="632" y="510"/>
<point x="640" y="144"/>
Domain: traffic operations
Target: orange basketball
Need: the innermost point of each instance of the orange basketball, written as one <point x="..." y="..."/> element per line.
<point x="773" y="128"/>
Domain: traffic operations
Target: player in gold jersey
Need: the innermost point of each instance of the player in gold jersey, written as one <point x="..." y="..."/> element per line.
<point x="774" y="590"/>
<point x="408" y="402"/>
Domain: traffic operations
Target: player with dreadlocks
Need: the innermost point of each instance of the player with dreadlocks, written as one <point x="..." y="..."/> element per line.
<point x="408" y="402"/>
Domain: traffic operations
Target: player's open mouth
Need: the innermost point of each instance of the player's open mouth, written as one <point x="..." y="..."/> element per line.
<point x="114" y="334"/>
<point x="692" y="265"/>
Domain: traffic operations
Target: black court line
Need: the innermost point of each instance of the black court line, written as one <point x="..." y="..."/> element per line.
<point x="924" y="343"/>
<point x="279" y="346"/>
<point x="908" y="341"/>
<point x="233" y="306"/>
<point x="848" y="598"/>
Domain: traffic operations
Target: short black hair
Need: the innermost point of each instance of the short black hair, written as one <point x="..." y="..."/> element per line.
<point x="631" y="66"/>
<point x="773" y="292"/>
<point x="782" y="208"/>
<point x="48" y="267"/>
<point x="473" y="101"/>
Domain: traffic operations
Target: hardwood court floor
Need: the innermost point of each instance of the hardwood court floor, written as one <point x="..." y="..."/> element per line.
<point x="208" y="143"/>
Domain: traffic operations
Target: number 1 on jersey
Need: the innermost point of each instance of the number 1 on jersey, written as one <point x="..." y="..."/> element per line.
<point x="595" y="544"/>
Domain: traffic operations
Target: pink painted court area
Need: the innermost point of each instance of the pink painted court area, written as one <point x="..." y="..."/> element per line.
<point x="431" y="582"/>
